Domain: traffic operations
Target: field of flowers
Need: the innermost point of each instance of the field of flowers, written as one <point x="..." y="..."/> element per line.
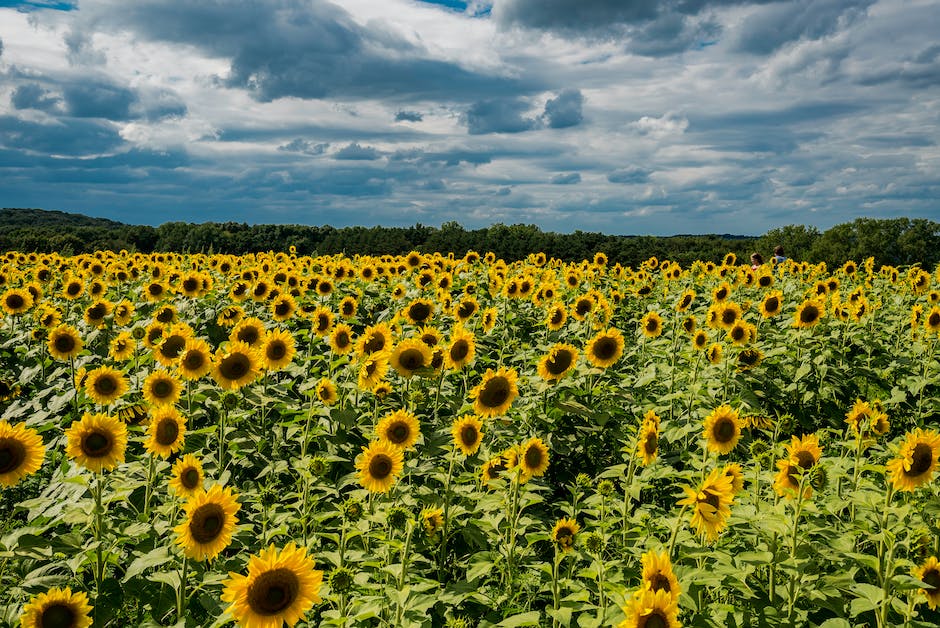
<point x="192" y="440"/>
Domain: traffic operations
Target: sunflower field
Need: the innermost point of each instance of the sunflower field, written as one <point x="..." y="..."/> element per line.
<point x="430" y="440"/>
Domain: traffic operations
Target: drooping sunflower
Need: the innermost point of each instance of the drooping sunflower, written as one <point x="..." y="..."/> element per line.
<point x="461" y="349"/>
<point x="490" y="316"/>
<point x="648" y="608"/>
<point x="929" y="573"/>
<point x="916" y="460"/>
<point x="432" y="520"/>
<point x="410" y="356"/>
<point x="734" y="471"/>
<point x="8" y="390"/>
<point x="866" y="419"/>
<point x="400" y="429"/>
<point x="749" y="358"/>
<point x="277" y="350"/>
<point x="468" y="434"/>
<point x="195" y="359"/>
<point x="651" y="324"/>
<point x="235" y="366"/>
<point x="105" y="385"/>
<point x="564" y="534"/>
<point x="326" y="391"/>
<point x="533" y="458"/>
<point x="711" y="504"/>
<point x="186" y="477"/>
<point x="772" y="304"/>
<point x="341" y="339"/>
<point x="161" y="388"/>
<point x="809" y="313"/>
<point x="209" y="523"/>
<point x="379" y="466"/>
<point x="59" y="608"/>
<point x="21" y="452"/>
<point x="167" y="432"/>
<point x="802" y="455"/>
<point x="97" y="442"/>
<point x="657" y="574"/>
<point x="605" y="348"/>
<point x="64" y="342"/>
<point x="722" y="429"/>
<point x="493" y="396"/>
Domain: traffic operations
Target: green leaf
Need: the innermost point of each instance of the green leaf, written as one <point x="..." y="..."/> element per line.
<point x="531" y="618"/>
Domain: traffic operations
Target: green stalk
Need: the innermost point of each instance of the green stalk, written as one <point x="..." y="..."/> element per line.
<point x="443" y="551"/>
<point x="181" y="592"/>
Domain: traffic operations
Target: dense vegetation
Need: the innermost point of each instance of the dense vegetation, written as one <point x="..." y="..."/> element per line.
<point x="896" y="241"/>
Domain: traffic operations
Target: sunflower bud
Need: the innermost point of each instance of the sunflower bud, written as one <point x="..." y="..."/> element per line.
<point x="319" y="466"/>
<point x="352" y="510"/>
<point x="138" y="333"/>
<point x="341" y="580"/>
<point x="398" y="518"/>
<point x="605" y="488"/>
<point x="229" y="401"/>
<point x="583" y="480"/>
<point x="594" y="543"/>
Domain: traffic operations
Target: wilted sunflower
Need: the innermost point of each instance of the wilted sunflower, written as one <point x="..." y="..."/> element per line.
<point x="802" y="455"/>
<point x="461" y="349"/>
<point x="326" y="391"/>
<point x="160" y="388"/>
<point x="186" y="477"/>
<point x="808" y="314"/>
<point x="21" y="452"/>
<point x="410" y="356"/>
<point x="195" y="359"/>
<point x="8" y="390"/>
<point x="59" y="608"/>
<point x="722" y="429"/>
<point x="490" y="317"/>
<point x="64" y="342"/>
<point x="276" y="350"/>
<point x="235" y="366"/>
<point x="379" y="465"/>
<point x="341" y="339"/>
<point x="916" y="460"/>
<point x="558" y="362"/>
<point x="122" y="347"/>
<point x="493" y="396"/>
<point x="167" y="432"/>
<point x="651" y="324"/>
<point x="605" y="348"/>
<point x="929" y="573"/>
<point x="432" y="520"/>
<point x="400" y="429"/>
<point x="749" y="358"/>
<point x="105" y="385"/>
<point x="468" y="434"/>
<point x="711" y="503"/>
<point x="648" y="608"/>
<point x="564" y="534"/>
<point x="209" y="523"/>
<point x="657" y="574"/>
<point x="372" y="371"/>
<point x="533" y="458"/>
<point x="96" y="442"/>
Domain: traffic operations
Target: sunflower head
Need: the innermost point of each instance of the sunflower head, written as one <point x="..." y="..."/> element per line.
<point x="710" y="503"/>
<point x="399" y="429"/>
<point x="605" y="348"/>
<point x="916" y="461"/>
<point x="57" y="607"/>
<point x="929" y="574"/>
<point x="64" y="342"/>
<point x="564" y="534"/>
<point x="809" y="313"/>
<point x="236" y="366"/>
<point x="533" y="458"/>
<point x="167" y="429"/>
<point x="105" y="385"/>
<point x="97" y="442"/>
<point x="277" y="350"/>
<point x="21" y="453"/>
<point x="186" y="477"/>
<point x="651" y="325"/>
<point x="161" y="388"/>
<point x="559" y="361"/>
<point x="468" y="434"/>
<point x="649" y="609"/>
<point x="657" y="574"/>
<point x="722" y="430"/>
<point x="432" y="520"/>
<point x="493" y="396"/>
<point x="209" y="523"/>
<point x="379" y="466"/>
<point x="411" y="356"/>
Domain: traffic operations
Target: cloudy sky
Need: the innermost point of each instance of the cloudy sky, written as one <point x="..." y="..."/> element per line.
<point x="622" y="116"/>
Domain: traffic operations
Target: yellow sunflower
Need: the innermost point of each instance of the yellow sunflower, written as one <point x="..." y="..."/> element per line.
<point x="648" y="608"/>
<point x="916" y="460"/>
<point x="348" y="307"/>
<point x="809" y="313"/>
<point x="249" y="331"/>
<point x="283" y="307"/>
<point x="492" y="469"/>
<point x="326" y="391"/>
<point x="558" y="362"/>
<point x="468" y="434"/>
<point x="410" y="356"/>
<point x="167" y="432"/>
<point x="105" y="385"/>
<point x="722" y="429"/>
<point x="932" y="320"/>
<point x="122" y="347"/>
<point x="277" y="350"/>
<point x="97" y="442"/>
<point x="64" y="342"/>
<point x="490" y="316"/>
<point x="727" y="313"/>
<point x="802" y="455"/>
<point x="57" y="607"/>
<point x="209" y="524"/>
<point x="379" y="465"/>
<point x="167" y="352"/>
<point x="372" y="371"/>
<point x="648" y="443"/>
<point x="235" y="366"/>
<point x="929" y="574"/>
<point x="564" y="534"/>
<point x="651" y="324"/>
<point x="400" y="429"/>
<point x="657" y="574"/>
<point x="461" y="350"/>
<point x="375" y="339"/>
<point x="533" y="459"/>
<point x="605" y="348"/>
<point x="186" y="476"/>
<point x="493" y="396"/>
<point x="195" y="359"/>
<point x="866" y="420"/>
<point x="736" y="473"/>
<point x="432" y="520"/>
<point x="15" y="301"/>
<point x="772" y="304"/>
<point x="161" y="388"/>
<point x="341" y="339"/>
<point x="715" y="353"/>
<point x="556" y="317"/>
<point x="21" y="452"/>
<point x="711" y="504"/>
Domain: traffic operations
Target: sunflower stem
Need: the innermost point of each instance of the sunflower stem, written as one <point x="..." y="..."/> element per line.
<point x="556" y="602"/>
<point x="442" y="555"/>
<point x="797" y="510"/>
<point x="181" y="592"/>
<point x="399" y="612"/>
<point x="148" y="491"/>
<point x="675" y="532"/>
<point x="626" y="498"/>
<point x="99" y="534"/>
<point x="74" y="385"/>
<point x="221" y="440"/>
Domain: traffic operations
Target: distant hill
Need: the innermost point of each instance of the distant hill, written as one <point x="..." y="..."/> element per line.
<point x="12" y="217"/>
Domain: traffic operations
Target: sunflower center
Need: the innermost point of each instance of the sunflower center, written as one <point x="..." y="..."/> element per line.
<point x="235" y="366"/>
<point x="190" y="285"/>
<point x="64" y="344"/>
<point x="206" y="523"/>
<point x="724" y="431"/>
<point x="380" y="467"/>
<point x="652" y="325"/>
<point x="375" y="343"/>
<point x="559" y="362"/>
<point x="15" y="301"/>
<point x="74" y="288"/>
<point x="934" y="319"/>
<point x="737" y="333"/>
<point x="282" y="308"/>
<point x="97" y="444"/>
<point x="411" y="359"/>
<point x="5" y="388"/>
<point x="654" y="620"/>
<point x="605" y="348"/>
<point x="249" y="335"/>
<point x="659" y="582"/>
<point x="809" y="314"/>
<point x="495" y="392"/>
<point x="168" y="431"/>
<point x="194" y="360"/>
<point x="564" y="536"/>
<point x="419" y="311"/>
<point x="58" y="615"/>
<point x="161" y="388"/>
<point x="729" y="316"/>
<point x="583" y="307"/>
<point x="342" y="340"/>
<point x="190" y="478"/>
<point x="105" y="385"/>
<point x="557" y="317"/>
<point x="172" y="346"/>
<point x="398" y="433"/>
<point x="12" y="454"/>
<point x="921" y="459"/>
<point x="459" y="350"/>
<point x="651" y="442"/>
<point x="932" y="578"/>
<point x="686" y="300"/>
<point x="96" y="312"/>
<point x="805" y="459"/>
<point x="276" y="350"/>
<point x="466" y="310"/>
<point x="533" y="457"/>
<point x="469" y="435"/>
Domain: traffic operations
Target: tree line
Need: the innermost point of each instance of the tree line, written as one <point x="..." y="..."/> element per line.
<point x="897" y="241"/>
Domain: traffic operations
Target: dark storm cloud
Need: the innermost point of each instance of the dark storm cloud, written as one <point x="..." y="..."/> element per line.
<point x="408" y="116"/>
<point x="776" y="25"/>
<point x="33" y="96"/>
<point x="631" y="174"/>
<point x="499" y="116"/>
<point x="99" y="100"/>
<point x="566" y="179"/>
<point x="307" y="49"/>
<point x="355" y="152"/>
<point x="64" y="137"/>
<point x="565" y="109"/>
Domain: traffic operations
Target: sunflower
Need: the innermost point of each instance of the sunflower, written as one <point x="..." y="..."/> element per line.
<point x="276" y="350"/>
<point x="582" y="307"/>
<point x="374" y="339"/>
<point x="722" y="292"/>
<point x="341" y="339"/>
<point x="466" y="308"/>
<point x="8" y="390"/>
<point x="167" y="430"/>
<point x="187" y="476"/>
<point x="379" y="465"/>
<point x="736" y="473"/>
<point x="96" y="313"/>
<point x="493" y="396"/>
<point x="715" y="353"/>
<point x="648" y="608"/>
<point x="73" y="288"/>
<point x="16" y="301"/>
<point x="209" y="524"/>
<point x="556" y="316"/>
<point x="809" y="313"/>
<point x="929" y="574"/>
<point x="916" y="460"/>
<point x="468" y="434"/>
<point x="558" y="362"/>
<point x="122" y="347"/>
<point x="749" y="358"/>
<point x="491" y="470"/>
<point x="49" y="317"/>
<point x="57" y="607"/>
<point x="432" y="520"/>
<point x="283" y="307"/>
<point x="711" y="502"/>
<point x="172" y="343"/>
<point x="722" y="430"/>
<point x="153" y="334"/>
<point x="461" y="349"/>
<point x="605" y="348"/>
<point x="399" y="429"/>
<point x="727" y="313"/>
<point x="648" y="443"/>
<point x="236" y="366"/>
<point x="564" y="534"/>
<point x="160" y="388"/>
<point x="410" y="356"/>
<point x="699" y="340"/>
<point x="97" y="441"/>
<point x="866" y="420"/>
<point x="657" y="574"/>
<point x="802" y="455"/>
<point x="249" y="331"/>
<point x="105" y="385"/>
<point x="230" y="316"/>
<point x="533" y="458"/>
<point x="932" y="320"/>
<point x="195" y="359"/>
<point x="64" y="342"/>
<point x="772" y="304"/>
<point x="490" y="317"/>
<point x="419" y="311"/>
<point x="651" y="324"/>
<point x="326" y="391"/>
<point x="21" y="452"/>
<point x="372" y="371"/>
